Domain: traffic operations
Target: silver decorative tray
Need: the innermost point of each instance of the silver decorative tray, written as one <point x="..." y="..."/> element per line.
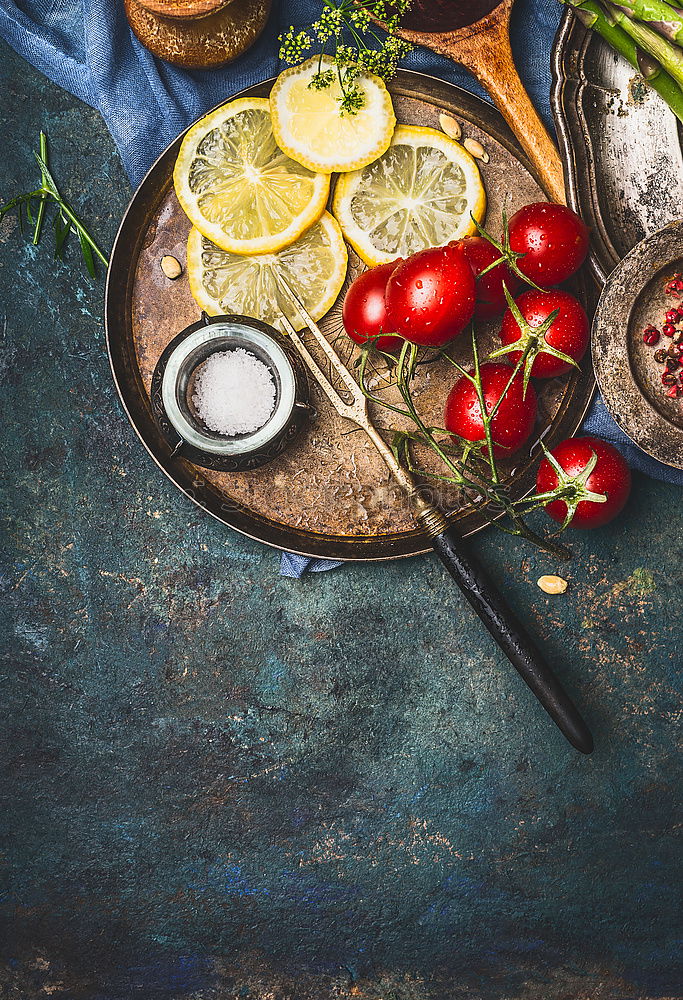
<point x="621" y="149"/>
<point x="619" y="142"/>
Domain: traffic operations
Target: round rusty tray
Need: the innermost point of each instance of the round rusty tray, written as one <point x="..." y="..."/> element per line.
<point x="629" y="378"/>
<point x="329" y="495"/>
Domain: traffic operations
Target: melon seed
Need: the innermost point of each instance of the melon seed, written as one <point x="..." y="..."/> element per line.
<point x="552" y="584"/>
<point x="450" y="126"/>
<point x="171" y="267"/>
<point x="476" y="149"/>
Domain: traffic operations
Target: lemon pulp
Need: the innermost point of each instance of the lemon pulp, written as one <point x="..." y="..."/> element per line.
<point x="314" y="267"/>
<point x="309" y="126"/>
<point x="238" y="188"/>
<point x="420" y="193"/>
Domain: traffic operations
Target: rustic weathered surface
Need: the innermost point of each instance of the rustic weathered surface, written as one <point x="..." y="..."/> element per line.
<point x="221" y="784"/>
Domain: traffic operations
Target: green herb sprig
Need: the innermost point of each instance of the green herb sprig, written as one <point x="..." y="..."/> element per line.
<point x="469" y="465"/>
<point x="472" y="465"/>
<point x="33" y="205"/>
<point x="346" y="33"/>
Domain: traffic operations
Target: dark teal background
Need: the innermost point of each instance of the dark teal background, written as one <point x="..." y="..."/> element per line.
<point x="218" y="783"/>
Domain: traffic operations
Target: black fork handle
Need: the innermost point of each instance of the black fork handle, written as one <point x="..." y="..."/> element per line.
<point x="512" y="638"/>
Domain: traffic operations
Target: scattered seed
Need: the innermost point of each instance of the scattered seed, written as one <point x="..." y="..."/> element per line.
<point x="450" y="126"/>
<point x="171" y="267"/>
<point x="552" y="584"/>
<point x="650" y="336"/>
<point x="668" y="378"/>
<point x="661" y="355"/>
<point x="476" y="149"/>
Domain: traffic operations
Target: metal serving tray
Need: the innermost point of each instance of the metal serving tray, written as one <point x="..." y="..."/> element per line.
<point x="619" y="142"/>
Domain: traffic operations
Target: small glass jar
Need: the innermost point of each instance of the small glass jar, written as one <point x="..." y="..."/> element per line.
<point x="173" y="385"/>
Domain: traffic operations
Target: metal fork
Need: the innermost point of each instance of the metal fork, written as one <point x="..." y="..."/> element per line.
<point x="451" y="548"/>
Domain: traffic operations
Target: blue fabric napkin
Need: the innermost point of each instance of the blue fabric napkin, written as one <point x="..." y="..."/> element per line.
<point x="87" y="47"/>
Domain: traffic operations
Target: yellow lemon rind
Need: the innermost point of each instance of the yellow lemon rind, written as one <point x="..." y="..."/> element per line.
<point x="215" y="233"/>
<point x="330" y="166"/>
<point x="317" y="310"/>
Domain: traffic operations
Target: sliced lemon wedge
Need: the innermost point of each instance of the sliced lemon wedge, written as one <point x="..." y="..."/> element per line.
<point x="309" y="126"/>
<point x="314" y="267"/>
<point x="418" y="194"/>
<point x="238" y="189"/>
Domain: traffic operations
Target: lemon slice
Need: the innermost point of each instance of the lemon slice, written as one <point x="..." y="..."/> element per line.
<point x="314" y="267"/>
<point x="309" y="126"/>
<point x="238" y="188"/>
<point x="418" y="194"/>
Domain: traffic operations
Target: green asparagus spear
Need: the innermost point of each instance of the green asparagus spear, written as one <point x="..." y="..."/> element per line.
<point x="665" y="52"/>
<point x="593" y="16"/>
<point x="656" y="14"/>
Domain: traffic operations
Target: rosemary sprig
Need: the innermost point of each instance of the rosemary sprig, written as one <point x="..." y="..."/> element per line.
<point x="345" y="33"/>
<point x="65" y="220"/>
<point x="469" y="465"/>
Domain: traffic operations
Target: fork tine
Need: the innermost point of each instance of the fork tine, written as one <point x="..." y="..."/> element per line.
<point x="334" y="359"/>
<point x="337" y="402"/>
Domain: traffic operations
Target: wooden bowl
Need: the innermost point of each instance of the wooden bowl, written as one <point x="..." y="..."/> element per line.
<point x="198" y="42"/>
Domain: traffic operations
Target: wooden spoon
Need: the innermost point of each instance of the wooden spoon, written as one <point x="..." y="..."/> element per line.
<point x="477" y="35"/>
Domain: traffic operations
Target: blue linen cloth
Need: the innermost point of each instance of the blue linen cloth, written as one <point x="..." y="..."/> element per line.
<point x="87" y="47"/>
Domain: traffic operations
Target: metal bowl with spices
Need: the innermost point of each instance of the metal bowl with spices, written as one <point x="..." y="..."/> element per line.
<point x="173" y="393"/>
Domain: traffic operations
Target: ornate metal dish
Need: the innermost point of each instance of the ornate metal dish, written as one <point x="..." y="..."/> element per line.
<point x="328" y="493"/>
<point x="181" y="425"/>
<point x="622" y="153"/>
<point x="619" y="142"/>
<point x="628" y="376"/>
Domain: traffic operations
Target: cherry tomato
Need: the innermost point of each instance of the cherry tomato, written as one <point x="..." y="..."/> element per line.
<point x="553" y="239"/>
<point x="568" y="333"/>
<point x="430" y="296"/>
<point x="611" y="477"/>
<point x="514" y="419"/>
<point x="364" y="311"/>
<point x="490" y="295"/>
